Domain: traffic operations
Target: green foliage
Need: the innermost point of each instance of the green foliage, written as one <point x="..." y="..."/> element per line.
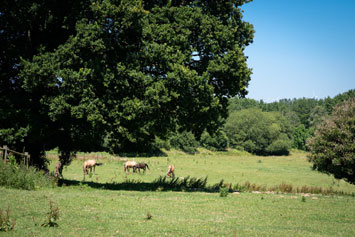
<point x="216" y="142"/>
<point x="237" y="104"/>
<point x="6" y="224"/>
<point x="180" y="184"/>
<point x="223" y="192"/>
<point x="281" y="146"/>
<point x="259" y="132"/>
<point x="300" y="136"/>
<point x="160" y="143"/>
<point x="184" y="141"/>
<point x="91" y="75"/>
<point x="317" y="115"/>
<point x="14" y="176"/>
<point x="332" y="146"/>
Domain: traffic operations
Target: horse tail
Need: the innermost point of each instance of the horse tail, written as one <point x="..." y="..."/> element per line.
<point x="147" y="166"/>
<point x="98" y="164"/>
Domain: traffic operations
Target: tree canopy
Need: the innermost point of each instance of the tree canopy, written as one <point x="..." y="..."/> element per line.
<point x="261" y="133"/>
<point x="332" y="148"/>
<point x="88" y="75"/>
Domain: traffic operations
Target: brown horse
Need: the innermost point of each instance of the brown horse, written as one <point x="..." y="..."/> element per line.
<point x="129" y="164"/>
<point x="140" y="166"/>
<point x="171" y="170"/>
<point x="89" y="164"/>
<point x="59" y="170"/>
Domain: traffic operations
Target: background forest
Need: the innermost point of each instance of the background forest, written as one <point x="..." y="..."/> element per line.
<point x="265" y="128"/>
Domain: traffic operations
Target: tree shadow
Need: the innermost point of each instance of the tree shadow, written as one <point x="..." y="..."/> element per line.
<point x="160" y="184"/>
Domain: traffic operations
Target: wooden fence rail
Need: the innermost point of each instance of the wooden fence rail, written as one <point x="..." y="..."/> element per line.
<point x="6" y="151"/>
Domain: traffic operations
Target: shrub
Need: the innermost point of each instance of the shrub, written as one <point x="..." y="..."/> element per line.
<point x="279" y="147"/>
<point x="184" y="141"/>
<point x="223" y="192"/>
<point x="215" y="142"/>
<point x="332" y="149"/>
<point x="14" y="176"/>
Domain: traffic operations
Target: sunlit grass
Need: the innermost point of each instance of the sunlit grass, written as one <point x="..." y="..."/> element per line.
<point x="92" y="208"/>
<point x="233" y="167"/>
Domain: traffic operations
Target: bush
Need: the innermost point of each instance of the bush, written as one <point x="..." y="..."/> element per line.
<point x="223" y="191"/>
<point x="216" y="142"/>
<point x="280" y="146"/>
<point x="160" y="143"/>
<point x="184" y="141"/>
<point x="14" y="176"/>
<point x="332" y="149"/>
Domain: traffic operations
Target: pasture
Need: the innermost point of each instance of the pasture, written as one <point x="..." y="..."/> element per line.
<point x="89" y="208"/>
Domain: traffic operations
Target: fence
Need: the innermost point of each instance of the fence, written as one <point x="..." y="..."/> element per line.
<point x="6" y="151"/>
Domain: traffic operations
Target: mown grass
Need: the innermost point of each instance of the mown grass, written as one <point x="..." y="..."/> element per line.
<point x="93" y="212"/>
<point x="113" y="203"/>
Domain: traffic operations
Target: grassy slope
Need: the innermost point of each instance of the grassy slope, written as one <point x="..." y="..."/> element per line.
<point x="86" y="211"/>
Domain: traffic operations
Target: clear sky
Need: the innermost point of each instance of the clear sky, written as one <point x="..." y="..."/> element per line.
<point x="301" y="48"/>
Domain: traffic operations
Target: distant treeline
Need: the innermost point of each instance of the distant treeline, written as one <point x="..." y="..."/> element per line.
<point x="263" y="128"/>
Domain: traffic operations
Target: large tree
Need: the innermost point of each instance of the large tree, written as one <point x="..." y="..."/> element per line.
<point x="82" y="75"/>
<point x="332" y="148"/>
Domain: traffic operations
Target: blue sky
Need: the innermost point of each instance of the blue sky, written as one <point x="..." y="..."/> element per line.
<point x="301" y="48"/>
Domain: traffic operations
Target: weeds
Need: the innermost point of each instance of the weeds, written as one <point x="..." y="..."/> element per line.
<point x="14" y="176"/>
<point x="5" y="223"/>
<point x="180" y="184"/>
<point x="149" y="216"/>
<point x="223" y="192"/>
<point x="52" y="216"/>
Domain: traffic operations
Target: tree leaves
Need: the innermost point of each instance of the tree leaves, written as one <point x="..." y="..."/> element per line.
<point x="115" y="74"/>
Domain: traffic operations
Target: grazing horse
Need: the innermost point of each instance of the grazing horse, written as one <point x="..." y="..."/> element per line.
<point x="89" y="164"/>
<point x="140" y="166"/>
<point x="59" y="170"/>
<point x="129" y="164"/>
<point x="171" y="170"/>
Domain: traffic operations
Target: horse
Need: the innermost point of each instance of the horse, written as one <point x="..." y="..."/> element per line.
<point x="129" y="164"/>
<point x="89" y="164"/>
<point x="59" y="170"/>
<point x="171" y="170"/>
<point x="140" y="166"/>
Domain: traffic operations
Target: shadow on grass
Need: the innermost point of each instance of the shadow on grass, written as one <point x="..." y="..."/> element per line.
<point x="188" y="184"/>
<point x="160" y="184"/>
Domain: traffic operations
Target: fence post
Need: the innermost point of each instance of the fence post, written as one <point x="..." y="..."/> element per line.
<point x="26" y="159"/>
<point x="4" y="153"/>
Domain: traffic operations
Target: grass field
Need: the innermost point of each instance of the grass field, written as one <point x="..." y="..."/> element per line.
<point x="91" y="210"/>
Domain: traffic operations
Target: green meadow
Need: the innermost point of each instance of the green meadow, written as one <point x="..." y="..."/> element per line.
<point x="88" y="207"/>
